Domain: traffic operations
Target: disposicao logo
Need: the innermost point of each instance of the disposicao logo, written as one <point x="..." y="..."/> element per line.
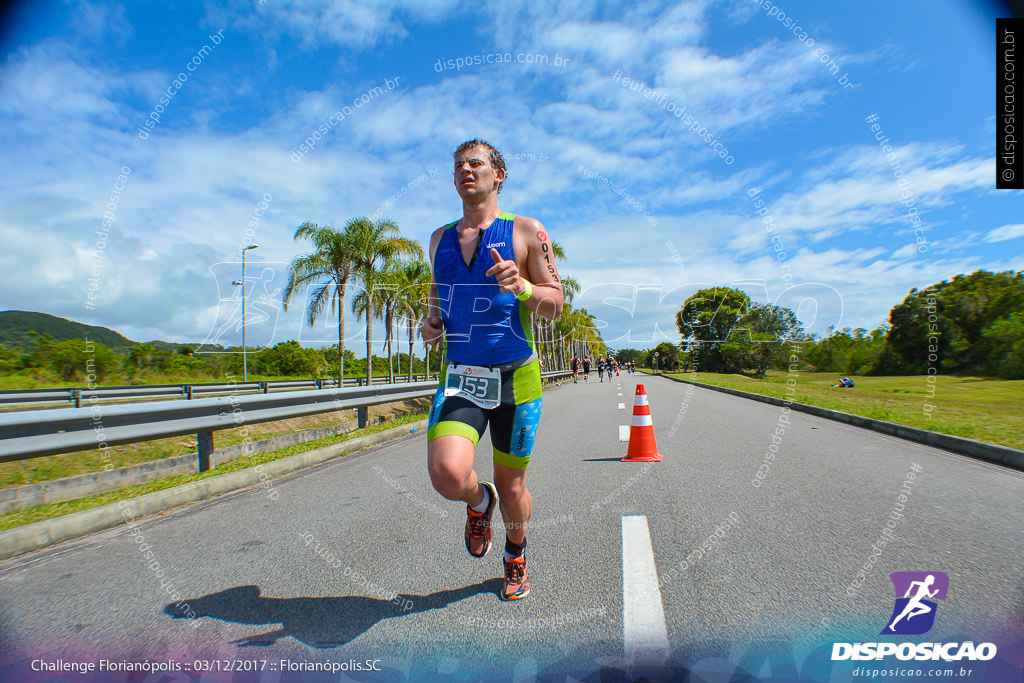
<point x="914" y="614"/>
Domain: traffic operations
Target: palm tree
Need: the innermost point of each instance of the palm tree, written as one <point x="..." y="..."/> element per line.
<point x="578" y="326"/>
<point x="373" y="246"/>
<point x="366" y="304"/>
<point x="414" y="290"/>
<point x="330" y="259"/>
<point x="388" y="288"/>
<point x="570" y="288"/>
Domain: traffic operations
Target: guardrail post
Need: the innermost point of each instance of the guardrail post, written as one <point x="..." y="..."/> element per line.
<point x="362" y="416"/>
<point x="188" y="392"/>
<point x="359" y="381"/>
<point x="319" y="384"/>
<point x="76" y="396"/>
<point x="204" y="444"/>
<point x="265" y="387"/>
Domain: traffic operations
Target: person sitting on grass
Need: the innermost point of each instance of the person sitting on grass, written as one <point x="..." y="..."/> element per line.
<point x="844" y="383"/>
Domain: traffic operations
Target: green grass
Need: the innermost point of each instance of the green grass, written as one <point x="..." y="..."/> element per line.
<point x="989" y="410"/>
<point x="41" y="512"/>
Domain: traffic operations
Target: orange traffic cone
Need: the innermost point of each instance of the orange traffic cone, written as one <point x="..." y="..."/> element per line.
<point x="642" y="445"/>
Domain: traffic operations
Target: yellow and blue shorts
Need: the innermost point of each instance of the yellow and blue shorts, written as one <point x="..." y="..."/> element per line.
<point x="513" y="423"/>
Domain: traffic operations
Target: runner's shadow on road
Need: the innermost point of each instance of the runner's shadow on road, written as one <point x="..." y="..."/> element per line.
<point x="317" y="622"/>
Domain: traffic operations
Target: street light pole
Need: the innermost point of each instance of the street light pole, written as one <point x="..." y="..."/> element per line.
<point x="245" y="357"/>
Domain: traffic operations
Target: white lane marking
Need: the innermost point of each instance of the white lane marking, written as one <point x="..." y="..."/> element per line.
<point x="620" y="393"/>
<point x="622" y="406"/>
<point x="50" y="557"/>
<point x="623" y="432"/>
<point x="643" y="618"/>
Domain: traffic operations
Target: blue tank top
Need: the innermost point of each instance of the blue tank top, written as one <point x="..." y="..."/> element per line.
<point x="483" y="325"/>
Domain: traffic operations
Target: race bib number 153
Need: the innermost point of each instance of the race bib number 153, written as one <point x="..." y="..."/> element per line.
<point x="479" y="385"/>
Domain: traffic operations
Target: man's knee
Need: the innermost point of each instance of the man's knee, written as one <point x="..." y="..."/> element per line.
<point x="511" y="491"/>
<point x="447" y="480"/>
<point x="449" y="476"/>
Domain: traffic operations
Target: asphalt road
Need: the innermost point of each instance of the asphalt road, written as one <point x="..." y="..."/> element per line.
<point x="769" y="596"/>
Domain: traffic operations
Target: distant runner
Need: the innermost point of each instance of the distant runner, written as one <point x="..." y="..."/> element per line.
<point x="586" y="368"/>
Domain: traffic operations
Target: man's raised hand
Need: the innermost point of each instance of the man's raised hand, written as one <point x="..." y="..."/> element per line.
<point x="506" y="273"/>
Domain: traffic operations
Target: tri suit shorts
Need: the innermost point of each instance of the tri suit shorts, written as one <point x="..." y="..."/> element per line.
<point x="513" y="423"/>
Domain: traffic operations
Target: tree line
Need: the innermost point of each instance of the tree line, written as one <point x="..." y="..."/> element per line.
<point x="391" y="277"/>
<point x="972" y="324"/>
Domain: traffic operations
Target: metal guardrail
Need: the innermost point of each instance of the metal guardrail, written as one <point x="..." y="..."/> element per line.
<point x="33" y="434"/>
<point x="80" y="395"/>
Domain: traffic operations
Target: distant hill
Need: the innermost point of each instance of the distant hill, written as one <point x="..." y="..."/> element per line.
<point x="16" y="325"/>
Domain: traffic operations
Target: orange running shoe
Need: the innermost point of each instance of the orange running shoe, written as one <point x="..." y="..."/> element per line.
<point x="517" y="580"/>
<point x="478" y="525"/>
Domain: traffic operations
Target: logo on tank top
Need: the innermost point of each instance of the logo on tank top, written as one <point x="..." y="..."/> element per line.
<point x="496" y="244"/>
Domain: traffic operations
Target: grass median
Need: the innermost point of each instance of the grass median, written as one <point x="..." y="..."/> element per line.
<point x="41" y="512"/>
<point x="989" y="410"/>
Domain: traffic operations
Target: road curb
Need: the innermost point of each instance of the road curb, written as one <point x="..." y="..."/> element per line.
<point x="1001" y="455"/>
<point x="48" y="532"/>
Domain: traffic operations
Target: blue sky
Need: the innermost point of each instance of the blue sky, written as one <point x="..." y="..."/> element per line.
<point x="644" y="206"/>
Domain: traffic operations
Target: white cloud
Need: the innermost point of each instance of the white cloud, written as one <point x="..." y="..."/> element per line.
<point x="1006" y="232"/>
<point x="907" y="251"/>
<point x="351" y="23"/>
<point x="68" y="127"/>
<point x="860" y="192"/>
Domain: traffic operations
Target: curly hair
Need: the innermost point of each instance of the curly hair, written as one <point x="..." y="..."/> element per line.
<point x="497" y="161"/>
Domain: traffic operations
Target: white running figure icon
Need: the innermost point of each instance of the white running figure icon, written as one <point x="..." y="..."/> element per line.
<point x="915" y="606"/>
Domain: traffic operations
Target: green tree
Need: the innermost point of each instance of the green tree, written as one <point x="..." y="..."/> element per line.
<point x="570" y="288"/>
<point x="147" y="358"/>
<point x="1006" y="338"/>
<point x="414" y="290"/>
<point x="579" y="328"/>
<point x="387" y="290"/>
<point x="374" y="245"/>
<point x="707" y="319"/>
<point x="329" y="266"/>
<point x="74" y="359"/>
<point x="850" y="352"/>
<point x="287" y="359"/>
<point x="761" y="339"/>
<point x="369" y="304"/>
<point x="943" y="326"/>
<point x="12" y="359"/>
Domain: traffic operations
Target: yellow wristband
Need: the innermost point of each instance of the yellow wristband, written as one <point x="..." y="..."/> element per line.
<point x="527" y="292"/>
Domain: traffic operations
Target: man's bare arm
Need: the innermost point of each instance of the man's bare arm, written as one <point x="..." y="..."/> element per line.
<point x="540" y="269"/>
<point x="431" y="327"/>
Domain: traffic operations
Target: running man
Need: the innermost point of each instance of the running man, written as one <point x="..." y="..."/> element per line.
<point x="586" y="368"/>
<point x="493" y="377"/>
<point x="915" y="607"/>
<point x="600" y="368"/>
<point x="575" y="368"/>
